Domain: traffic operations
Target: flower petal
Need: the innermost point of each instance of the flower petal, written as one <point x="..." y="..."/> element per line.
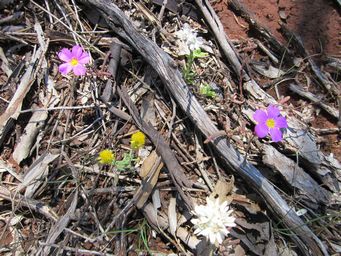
<point x="273" y="111"/>
<point x="65" y="55"/>
<point x="77" y="51"/>
<point x="219" y="238"/>
<point x="79" y="70"/>
<point x="65" y="68"/>
<point x="84" y="58"/>
<point x="260" y="116"/>
<point x="212" y="238"/>
<point x="261" y="130"/>
<point x="281" y="122"/>
<point x="276" y="134"/>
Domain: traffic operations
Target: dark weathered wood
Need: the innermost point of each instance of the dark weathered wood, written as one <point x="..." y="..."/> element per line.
<point x="171" y="77"/>
<point x="296" y="177"/>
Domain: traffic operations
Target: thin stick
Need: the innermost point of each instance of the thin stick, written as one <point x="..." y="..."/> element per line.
<point x="62" y="108"/>
<point x="75" y="250"/>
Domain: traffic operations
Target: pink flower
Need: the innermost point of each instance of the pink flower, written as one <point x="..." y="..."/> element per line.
<point x="74" y="60"/>
<point x="271" y="122"/>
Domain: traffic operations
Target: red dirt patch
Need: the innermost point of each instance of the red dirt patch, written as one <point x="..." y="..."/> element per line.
<point x="230" y="22"/>
<point x="317" y="22"/>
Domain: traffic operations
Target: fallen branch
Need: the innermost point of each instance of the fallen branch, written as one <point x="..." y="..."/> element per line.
<point x="171" y="77"/>
<point x="330" y="110"/>
<point x="296" y="177"/>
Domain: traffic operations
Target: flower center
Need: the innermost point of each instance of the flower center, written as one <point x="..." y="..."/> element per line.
<point x="270" y="123"/>
<point x="74" y="62"/>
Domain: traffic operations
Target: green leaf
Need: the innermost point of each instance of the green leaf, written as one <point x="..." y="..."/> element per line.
<point x="188" y="74"/>
<point x="126" y="162"/>
<point x="207" y="91"/>
<point x="197" y="53"/>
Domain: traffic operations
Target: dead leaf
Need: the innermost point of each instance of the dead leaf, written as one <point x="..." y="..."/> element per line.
<point x="5" y="168"/>
<point x="222" y="189"/>
<point x="28" y="138"/>
<point x="38" y="169"/>
<point x="258" y="237"/>
<point x="150" y="171"/>
<point x="6" y="237"/>
<point x="248" y="204"/>
<point x="148" y="164"/>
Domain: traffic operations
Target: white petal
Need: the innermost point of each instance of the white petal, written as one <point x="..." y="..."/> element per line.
<point x="212" y="238"/>
<point x="219" y="238"/>
<point x="195" y="221"/>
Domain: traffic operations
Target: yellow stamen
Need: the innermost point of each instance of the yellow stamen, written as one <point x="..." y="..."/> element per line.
<point x="74" y="62"/>
<point x="270" y="123"/>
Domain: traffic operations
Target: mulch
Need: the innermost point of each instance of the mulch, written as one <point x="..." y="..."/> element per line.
<point x="55" y="196"/>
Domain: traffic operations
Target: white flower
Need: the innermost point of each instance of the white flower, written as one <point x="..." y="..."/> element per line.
<point x="188" y="40"/>
<point x="212" y="220"/>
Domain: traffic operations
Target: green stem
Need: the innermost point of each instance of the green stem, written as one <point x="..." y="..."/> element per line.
<point x="188" y="68"/>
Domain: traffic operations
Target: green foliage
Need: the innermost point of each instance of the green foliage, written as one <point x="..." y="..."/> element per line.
<point x="188" y="73"/>
<point x="126" y="162"/>
<point x="197" y="53"/>
<point x="142" y="229"/>
<point x="207" y="91"/>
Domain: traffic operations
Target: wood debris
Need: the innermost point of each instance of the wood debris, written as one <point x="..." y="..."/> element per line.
<point x="58" y="197"/>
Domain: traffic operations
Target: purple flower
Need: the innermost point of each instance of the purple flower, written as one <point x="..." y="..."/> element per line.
<point x="74" y="60"/>
<point x="271" y="122"/>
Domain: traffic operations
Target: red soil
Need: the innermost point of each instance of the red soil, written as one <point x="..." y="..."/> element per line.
<point x="317" y="22"/>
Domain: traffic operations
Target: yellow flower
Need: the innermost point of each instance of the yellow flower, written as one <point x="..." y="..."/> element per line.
<point x="106" y="156"/>
<point x="137" y="140"/>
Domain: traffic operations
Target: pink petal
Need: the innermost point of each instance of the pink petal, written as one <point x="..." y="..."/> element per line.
<point x="79" y="70"/>
<point x="260" y="116"/>
<point x="276" y="134"/>
<point x="281" y="122"/>
<point x="77" y="51"/>
<point x="84" y="58"/>
<point x="65" y="55"/>
<point x="273" y="111"/>
<point x="261" y="130"/>
<point x="65" y="68"/>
